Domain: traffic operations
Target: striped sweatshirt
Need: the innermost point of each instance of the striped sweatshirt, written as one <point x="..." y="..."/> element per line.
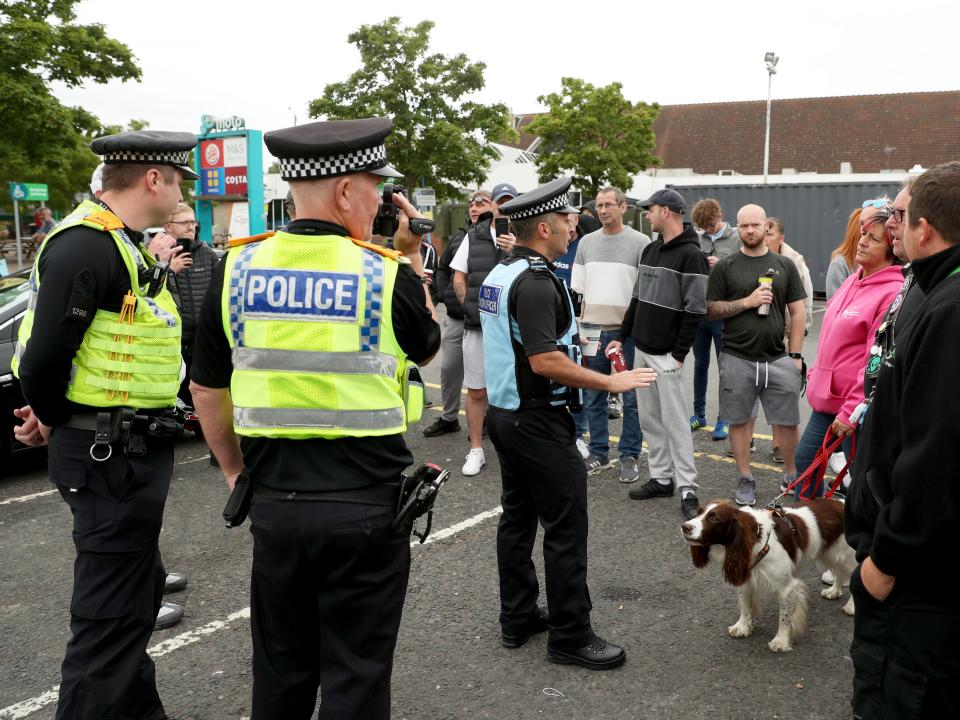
<point x="670" y="297"/>
<point x="605" y="273"/>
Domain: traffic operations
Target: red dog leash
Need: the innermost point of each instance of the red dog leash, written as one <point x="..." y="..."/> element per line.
<point x="818" y="467"/>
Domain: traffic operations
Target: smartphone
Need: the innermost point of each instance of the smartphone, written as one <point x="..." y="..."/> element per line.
<point x="501" y="226"/>
<point x="183" y="244"/>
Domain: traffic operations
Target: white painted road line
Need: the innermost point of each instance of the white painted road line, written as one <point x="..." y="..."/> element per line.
<point x="25" y="498"/>
<point x="28" y="707"/>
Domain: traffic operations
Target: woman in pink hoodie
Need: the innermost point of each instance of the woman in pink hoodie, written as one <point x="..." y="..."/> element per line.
<point x="835" y="382"/>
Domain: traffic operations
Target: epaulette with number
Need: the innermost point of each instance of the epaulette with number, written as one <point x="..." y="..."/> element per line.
<point x="104" y="219"/>
<point x="394" y="255"/>
<point x="237" y="242"/>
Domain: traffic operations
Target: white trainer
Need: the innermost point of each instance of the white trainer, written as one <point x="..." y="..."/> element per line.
<point x="828" y="578"/>
<point x="583" y="448"/>
<point x="475" y="461"/>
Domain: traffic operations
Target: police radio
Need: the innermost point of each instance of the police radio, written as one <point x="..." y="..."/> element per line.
<point x="418" y="493"/>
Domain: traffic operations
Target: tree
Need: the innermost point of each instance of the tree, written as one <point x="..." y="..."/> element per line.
<point x="41" y="140"/>
<point x="439" y="137"/>
<point x="594" y="133"/>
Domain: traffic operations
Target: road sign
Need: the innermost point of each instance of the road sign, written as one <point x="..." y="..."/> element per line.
<point x="27" y="192"/>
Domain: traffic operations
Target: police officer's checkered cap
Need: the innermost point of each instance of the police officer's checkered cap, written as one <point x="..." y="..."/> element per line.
<point x="555" y="204"/>
<point x="130" y="156"/>
<point x="302" y="168"/>
<point x="331" y="148"/>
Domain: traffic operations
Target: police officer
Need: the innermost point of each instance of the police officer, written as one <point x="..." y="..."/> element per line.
<point x="98" y="359"/>
<point x="304" y="348"/>
<point x="531" y="356"/>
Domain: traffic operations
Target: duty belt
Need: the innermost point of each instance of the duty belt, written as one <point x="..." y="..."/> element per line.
<point x="384" y="494"/>
<point x="124" y="427"/>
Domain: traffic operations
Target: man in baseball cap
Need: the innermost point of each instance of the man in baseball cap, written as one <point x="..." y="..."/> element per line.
<point x="667" y="198"/>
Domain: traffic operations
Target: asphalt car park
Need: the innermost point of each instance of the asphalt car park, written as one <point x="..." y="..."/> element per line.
<point x="672" y="619"/>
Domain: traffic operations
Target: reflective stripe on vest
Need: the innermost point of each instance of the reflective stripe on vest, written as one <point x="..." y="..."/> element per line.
<point x="313" y="349"/>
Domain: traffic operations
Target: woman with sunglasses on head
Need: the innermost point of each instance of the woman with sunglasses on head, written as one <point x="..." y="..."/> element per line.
<point x="835" y="382"/>
<point x="843" y="258"/>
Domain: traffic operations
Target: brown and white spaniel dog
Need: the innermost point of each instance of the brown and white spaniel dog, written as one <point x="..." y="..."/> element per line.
<point x="763" y="552"/>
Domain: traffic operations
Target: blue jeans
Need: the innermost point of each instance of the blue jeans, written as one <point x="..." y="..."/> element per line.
<point x="595" y="406"/>
<point x="809" y="445"/>
<point x="580" y="421"/>
<point x="709" y="330"/>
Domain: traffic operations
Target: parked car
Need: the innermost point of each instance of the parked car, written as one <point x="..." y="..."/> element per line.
<point x="14" y="290"/>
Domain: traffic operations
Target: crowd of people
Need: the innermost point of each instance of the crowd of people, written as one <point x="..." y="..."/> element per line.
<point x="302" y="352"/>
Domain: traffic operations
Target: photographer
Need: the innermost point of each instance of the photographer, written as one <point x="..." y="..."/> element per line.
<point x="303" y="394"/>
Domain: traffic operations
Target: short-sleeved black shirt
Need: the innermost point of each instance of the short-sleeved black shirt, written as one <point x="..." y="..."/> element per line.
<point x="541" y="311"/>
<point x="749" y="335"/>
<point x="318" y="464"/>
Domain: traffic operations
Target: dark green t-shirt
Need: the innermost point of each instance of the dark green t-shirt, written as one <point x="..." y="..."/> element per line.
<point x="749" y="335"/>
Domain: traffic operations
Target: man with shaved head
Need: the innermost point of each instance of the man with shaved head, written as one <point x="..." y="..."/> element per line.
<point x="750" y="290"/>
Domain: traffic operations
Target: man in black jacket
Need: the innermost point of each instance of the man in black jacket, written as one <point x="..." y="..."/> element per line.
<point x="190" y="284"/>
<point x="668" y="304"/>
<point x="902" y="512"/>
<point x="451" y="344"/>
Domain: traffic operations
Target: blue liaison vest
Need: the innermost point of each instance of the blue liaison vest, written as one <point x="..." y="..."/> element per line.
<point x="511" y="382"/>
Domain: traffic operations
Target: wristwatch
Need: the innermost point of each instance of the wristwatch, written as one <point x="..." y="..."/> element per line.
<point x="796" y="356"/>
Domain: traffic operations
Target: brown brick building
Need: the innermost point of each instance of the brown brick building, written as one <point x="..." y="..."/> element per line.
<point x="871" y="132"/>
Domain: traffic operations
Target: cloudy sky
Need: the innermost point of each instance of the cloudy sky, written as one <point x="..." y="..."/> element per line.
<point x="265" y="64"/>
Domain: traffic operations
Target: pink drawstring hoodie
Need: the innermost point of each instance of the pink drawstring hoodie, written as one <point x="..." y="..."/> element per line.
<point x="835" y="382"/>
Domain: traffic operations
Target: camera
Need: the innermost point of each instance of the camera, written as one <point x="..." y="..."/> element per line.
<point x="388" y="215"/>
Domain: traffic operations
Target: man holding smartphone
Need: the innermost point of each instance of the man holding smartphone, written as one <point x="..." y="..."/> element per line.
<point x="477" y="255"/>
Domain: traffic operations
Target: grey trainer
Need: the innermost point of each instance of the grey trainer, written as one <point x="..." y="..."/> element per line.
<point x="628" y="469"/>
<point x="746" y="492"/>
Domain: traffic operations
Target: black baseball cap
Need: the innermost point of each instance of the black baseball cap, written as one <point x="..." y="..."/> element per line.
<point x="668" y="198"/>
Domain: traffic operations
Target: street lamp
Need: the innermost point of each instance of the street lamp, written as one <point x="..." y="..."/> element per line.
<point x="771" y="60"/>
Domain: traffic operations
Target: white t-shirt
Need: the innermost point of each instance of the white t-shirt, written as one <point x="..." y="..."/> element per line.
<point x="459" y="261"/>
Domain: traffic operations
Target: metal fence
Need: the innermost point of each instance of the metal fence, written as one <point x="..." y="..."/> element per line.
<point x="814" y="215"/>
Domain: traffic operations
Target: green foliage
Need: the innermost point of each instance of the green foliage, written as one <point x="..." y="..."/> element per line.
<point x="438" y="137"/>
<point x="41" y="140"/>
<point x="596" y="134"/>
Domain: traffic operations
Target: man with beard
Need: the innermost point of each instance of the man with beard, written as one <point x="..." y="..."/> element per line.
<point x="750" y="291"/>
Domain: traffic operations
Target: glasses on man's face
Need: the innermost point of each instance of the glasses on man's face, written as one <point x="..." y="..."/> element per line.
<point x="188" y="223"/>
<point x="898" y="214"/>
<point x="875" y="203"/>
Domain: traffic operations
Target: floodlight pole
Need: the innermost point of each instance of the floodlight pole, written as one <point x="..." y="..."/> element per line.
<point x="771" y="60"/>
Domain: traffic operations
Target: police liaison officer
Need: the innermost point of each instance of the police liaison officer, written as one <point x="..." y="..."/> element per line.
<point x="303" y="349"/>
<point x="98" y="359"/>
<point x="533" y="375"/>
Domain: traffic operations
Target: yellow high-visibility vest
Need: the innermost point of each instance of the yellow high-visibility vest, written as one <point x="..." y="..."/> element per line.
<point x="126" y="359"/>
<point x="309" y="321"/>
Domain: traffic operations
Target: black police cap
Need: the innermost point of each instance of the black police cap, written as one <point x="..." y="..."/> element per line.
<point x="332" y="148"/>
<point x="549" y="198"/>
<point x="148" y="147"/>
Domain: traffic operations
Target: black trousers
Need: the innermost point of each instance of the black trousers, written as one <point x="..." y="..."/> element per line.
<point x="118" y="577"/>
<point x="905" y="657"/>
<point x="327" y="590"/>
<point x="544" y="479"/>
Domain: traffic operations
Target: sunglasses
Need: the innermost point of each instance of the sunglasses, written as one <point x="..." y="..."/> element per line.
<point x="479" y="201"/>
<point x="875" y="203"/>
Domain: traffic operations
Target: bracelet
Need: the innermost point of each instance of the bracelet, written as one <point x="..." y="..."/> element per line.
<point x="795" y="356"/>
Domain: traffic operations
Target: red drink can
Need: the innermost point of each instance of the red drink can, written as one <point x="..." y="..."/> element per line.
<point x="619" y="362"/>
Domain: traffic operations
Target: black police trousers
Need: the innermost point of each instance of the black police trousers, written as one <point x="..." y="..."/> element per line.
<point x="544" y="479"/>
<point x="906" y="662"/>
<point x="118" y="577"/>
<point x="326" y="595"/>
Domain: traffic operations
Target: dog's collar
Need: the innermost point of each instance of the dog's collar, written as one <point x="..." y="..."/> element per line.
<point x="764" y="550"/>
